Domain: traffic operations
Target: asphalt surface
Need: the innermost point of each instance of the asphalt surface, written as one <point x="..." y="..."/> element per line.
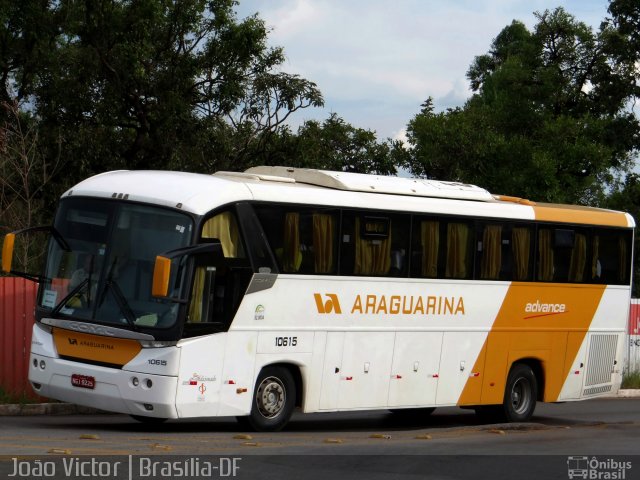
<point x="452" y="443"/>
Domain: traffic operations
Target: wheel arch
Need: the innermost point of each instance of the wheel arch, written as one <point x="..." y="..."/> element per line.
<point x="536" y="365"/>
<point x="296" y="373"/>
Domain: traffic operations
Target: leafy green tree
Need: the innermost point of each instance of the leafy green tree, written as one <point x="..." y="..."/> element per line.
<point x="145" y="84"/>
<point x="106" y="84"/>
<point x="27" y="31"/>
<point x="333" y="145"/>
<point x="627" y="198"/>
<point x="150" y="83"/>
<point x="549" y="119"/>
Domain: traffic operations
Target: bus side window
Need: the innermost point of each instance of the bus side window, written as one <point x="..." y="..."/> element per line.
<point x="400" y="228"/>
<point x="546" y="255"/>
<point x="609" y="258"/>
<point x="372" y="239"/>
<point x="309" y="242"/>
<point x="521" y="252"/>
<point x="578" y="258"/>
<point x="492" y="259"/>
<point x="207" y="296"/>
<point x="302" y="240"/>
<point x="425" y="248"/>
<point x="224" y="227"/>
<point x="459" y="254"/>
<point x="374" y="244"/>
<point x="562" y="255"/>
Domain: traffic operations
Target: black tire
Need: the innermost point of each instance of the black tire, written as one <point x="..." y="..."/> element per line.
<point x="274" y="399"/>
<point x="520" y="394"/>
<point x="149" y="420"/>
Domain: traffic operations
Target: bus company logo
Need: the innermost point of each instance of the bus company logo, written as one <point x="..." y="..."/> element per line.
<point x="544" y="309"/>
<point x="74" y="342"/>
<point x="330" y="304"/>
<point x="393" y="305"/>
<point x="593" y="468"/>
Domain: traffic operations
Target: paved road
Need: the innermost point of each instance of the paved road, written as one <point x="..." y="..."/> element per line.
<point x="364" y="445"/>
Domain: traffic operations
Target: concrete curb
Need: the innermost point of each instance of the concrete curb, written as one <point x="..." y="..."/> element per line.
<point x="629" y="393"/>
<point x="46" y="409"/>
<point x="17" y="410"/>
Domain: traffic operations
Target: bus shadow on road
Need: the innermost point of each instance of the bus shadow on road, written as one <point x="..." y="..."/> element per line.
<point x="444" y="418"/>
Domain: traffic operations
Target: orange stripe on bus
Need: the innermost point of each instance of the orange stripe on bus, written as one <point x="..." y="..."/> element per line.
<point x="84" y="346"/>
<point x="579" y="215"/>
<point x="551" y="337"/>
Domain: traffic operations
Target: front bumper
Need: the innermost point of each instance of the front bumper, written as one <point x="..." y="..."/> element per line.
<point x="115" y="389"/>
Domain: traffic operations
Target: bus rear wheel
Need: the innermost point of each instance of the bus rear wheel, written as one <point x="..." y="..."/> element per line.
<point x="520" y="394"/>
<point x="274" y="399"/>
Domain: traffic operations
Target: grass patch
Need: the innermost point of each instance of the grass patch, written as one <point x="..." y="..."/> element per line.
<point x="631" y="380"/>
<point x="6" y="398"/>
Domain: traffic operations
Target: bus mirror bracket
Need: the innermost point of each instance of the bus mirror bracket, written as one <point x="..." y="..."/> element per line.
<point x="8" y="248"/>
<point x="163" y="265"/>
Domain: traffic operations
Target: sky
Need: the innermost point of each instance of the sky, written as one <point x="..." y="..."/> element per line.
<point x="377" y="61"/>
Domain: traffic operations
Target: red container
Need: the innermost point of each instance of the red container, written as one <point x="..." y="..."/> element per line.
<point x="17" y="304"/>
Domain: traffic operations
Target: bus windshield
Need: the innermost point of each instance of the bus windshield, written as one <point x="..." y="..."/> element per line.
<point x="106" y="274"/>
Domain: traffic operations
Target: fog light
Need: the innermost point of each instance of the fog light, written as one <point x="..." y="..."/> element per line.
<point x="135" y="382"/>
<point x="148" y="407"/>
<point x="149" y="383"/>
<point x="43" y="365"/>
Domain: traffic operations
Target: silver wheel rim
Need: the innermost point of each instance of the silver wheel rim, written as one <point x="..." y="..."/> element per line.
<point x="521" y="395"/>
<point x="271" y="397"/>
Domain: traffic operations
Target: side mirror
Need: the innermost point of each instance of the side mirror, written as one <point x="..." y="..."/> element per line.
<point x="7" y="252"/>
<point x="164" y="264"/>
<point x="161" y="275"/>
<point x="32" y="245"/>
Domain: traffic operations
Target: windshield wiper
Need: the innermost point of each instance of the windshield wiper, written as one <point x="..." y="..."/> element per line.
<point x="121" y="300"/>
<point x="72" y="293"/>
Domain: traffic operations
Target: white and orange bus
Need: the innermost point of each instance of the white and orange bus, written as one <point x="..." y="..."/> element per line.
<point x="176" y="295"/>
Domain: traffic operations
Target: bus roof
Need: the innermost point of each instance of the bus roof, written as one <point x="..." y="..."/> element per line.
<point x="201" y="193"/>
<point x="360" y="182"/>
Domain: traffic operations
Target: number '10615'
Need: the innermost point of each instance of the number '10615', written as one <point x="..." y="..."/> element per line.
<point x="286" y="341"/>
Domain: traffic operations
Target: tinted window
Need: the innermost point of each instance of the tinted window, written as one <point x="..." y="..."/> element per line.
<point x="303" y="240"/>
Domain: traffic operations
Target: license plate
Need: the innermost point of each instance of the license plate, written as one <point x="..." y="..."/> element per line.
<point x="83" y="381"/>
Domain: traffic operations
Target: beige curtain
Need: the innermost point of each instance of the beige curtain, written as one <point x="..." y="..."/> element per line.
<point x="491" y="252"/>
<point x="373" y="257"/>
<point x="323" y="236"/>
<point x="291" y="255"/>
<point x="457" y="250"/>
<point x="197" y="295"/>
<point x="578" y="259"/>
<point x="430" y="242"/>
<point x="545" y="249"/>
<point x="225" y="228"/>
<point x="521" y="244"/>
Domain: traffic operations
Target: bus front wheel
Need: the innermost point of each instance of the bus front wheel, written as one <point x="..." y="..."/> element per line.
<point x="521" y="394"/>
<point x="274" y="398"/>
